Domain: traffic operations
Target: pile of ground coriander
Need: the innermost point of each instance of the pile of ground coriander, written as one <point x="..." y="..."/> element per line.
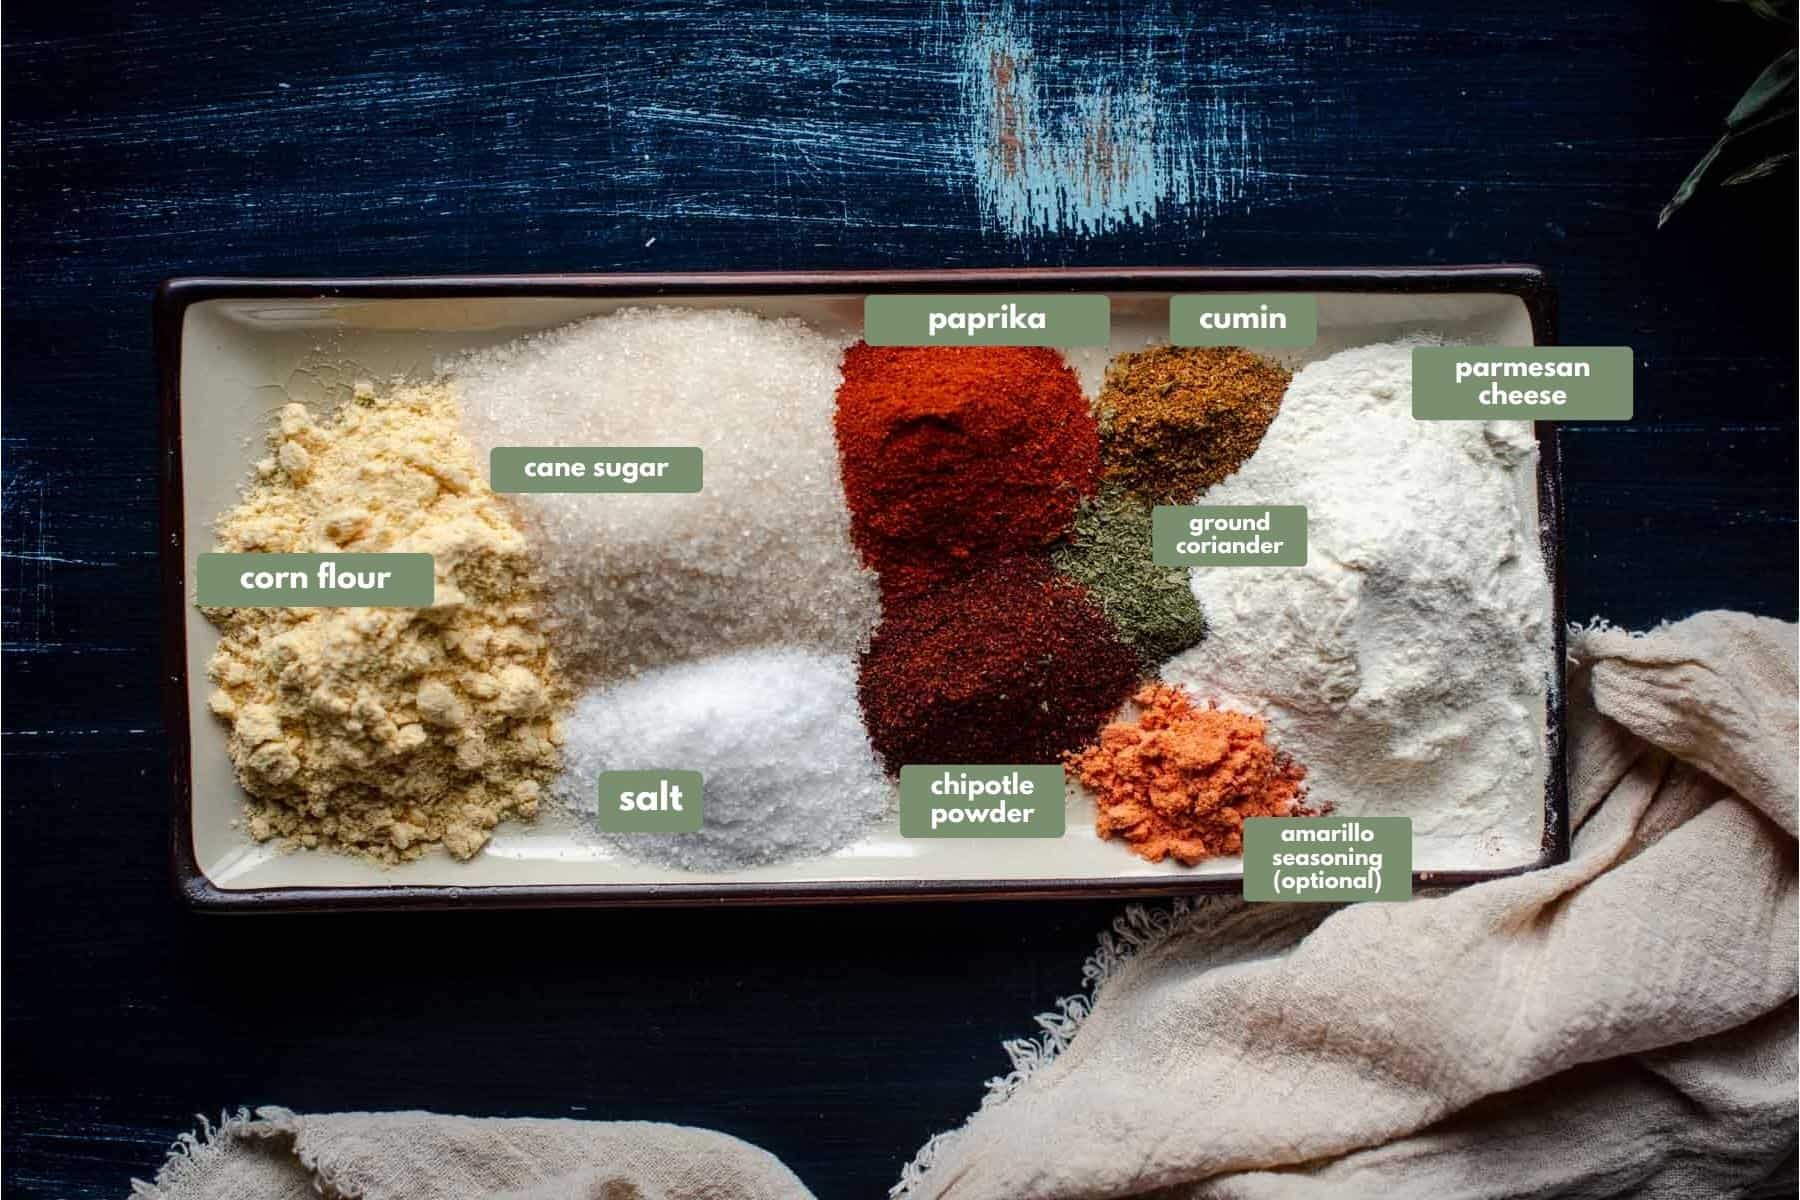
<point x="384" y="731"/>
<point x="1152" y="606"/>
<point x="1175" y="420"/>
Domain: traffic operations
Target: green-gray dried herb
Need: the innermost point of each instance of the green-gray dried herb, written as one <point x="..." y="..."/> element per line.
<point x="1152" y="607"/>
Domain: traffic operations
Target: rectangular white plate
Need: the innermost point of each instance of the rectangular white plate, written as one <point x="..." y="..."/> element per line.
<point x="234" y="351"/>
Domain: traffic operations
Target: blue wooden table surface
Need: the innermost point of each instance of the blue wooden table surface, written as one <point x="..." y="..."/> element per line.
<point x="147" y="138"/>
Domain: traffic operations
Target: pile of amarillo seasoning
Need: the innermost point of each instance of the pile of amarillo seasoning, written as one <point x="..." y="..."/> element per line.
<point x="1008" y="521"/>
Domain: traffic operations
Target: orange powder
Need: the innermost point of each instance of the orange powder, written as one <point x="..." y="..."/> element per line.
<point x="1180" y="780"/>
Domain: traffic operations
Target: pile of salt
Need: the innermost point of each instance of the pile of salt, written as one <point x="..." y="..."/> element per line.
<point x="776" y="735"/>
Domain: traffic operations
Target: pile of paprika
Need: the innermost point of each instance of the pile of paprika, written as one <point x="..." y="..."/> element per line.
<point x="955" y="455"/>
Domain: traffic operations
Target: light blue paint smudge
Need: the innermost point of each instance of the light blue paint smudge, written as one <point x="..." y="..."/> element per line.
<point x="1059" y="148"/>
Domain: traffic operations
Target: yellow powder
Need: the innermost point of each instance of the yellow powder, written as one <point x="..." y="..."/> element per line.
<point x="384" y="731"/>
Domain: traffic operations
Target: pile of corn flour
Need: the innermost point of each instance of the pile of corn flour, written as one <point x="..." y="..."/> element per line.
<point x="386" y="731"/>
<point x="1407" y="665"/>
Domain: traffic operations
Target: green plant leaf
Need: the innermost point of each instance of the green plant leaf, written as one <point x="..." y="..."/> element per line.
<point x="1772" y="10"/>
<point x="1691" y="184"/>
<point x="1773" y="89"/>
<point x="1775" y="84"/>
<point x="1760" y="170"/>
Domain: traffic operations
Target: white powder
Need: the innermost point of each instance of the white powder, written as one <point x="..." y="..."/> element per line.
<point x="1406" y="664"/>
<point x="761" y="556"/>
<point x="777" y="736"/>
<point x="1089" y="365"/>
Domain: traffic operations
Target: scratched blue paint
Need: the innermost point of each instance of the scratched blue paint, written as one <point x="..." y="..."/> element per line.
<point x="1064" y="145"/>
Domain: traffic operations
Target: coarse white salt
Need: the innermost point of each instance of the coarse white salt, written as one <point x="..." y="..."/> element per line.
<point x="761" y="556"/>
<point x="776" y="734"/>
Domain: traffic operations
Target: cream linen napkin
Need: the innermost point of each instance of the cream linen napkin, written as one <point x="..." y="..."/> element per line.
<point x="1620" y="1025"/>
<point x="422" y="1156"/>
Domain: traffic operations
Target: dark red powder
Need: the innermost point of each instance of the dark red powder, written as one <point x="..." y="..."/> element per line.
<point x="957" y="454"/>
<point x="1012" y="664"/>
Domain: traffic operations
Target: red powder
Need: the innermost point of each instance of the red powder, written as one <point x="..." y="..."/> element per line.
<point x="956" y="454"/>
<point x="1180" y="780"/>
<point x="1013" y="664"/>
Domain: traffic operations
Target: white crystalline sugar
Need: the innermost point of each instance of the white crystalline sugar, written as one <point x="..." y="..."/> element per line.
<point x="1407" y="664"/>
<point x="762" y="555"/>
<point x="777" y="735"/>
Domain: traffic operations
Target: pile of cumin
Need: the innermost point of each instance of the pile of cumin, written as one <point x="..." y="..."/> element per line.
<point x="1175" y="420"/>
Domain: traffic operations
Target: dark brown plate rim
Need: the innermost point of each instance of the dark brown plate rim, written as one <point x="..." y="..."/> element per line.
<point x="1528" y="283"/>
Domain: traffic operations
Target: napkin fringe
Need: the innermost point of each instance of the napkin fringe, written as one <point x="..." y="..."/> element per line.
<point x="192" y="1154"/>
<point x="1139" y="928"/>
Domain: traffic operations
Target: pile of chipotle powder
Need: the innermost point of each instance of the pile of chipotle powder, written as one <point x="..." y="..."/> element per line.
<point x="1013" y="664"/>
<point x="1180" y="781"/>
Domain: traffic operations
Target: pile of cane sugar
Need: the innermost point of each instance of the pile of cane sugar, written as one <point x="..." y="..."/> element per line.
<point x="787" y="770"/>
<point x="1407" y="663"/>
<point x="760" y="556"/>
